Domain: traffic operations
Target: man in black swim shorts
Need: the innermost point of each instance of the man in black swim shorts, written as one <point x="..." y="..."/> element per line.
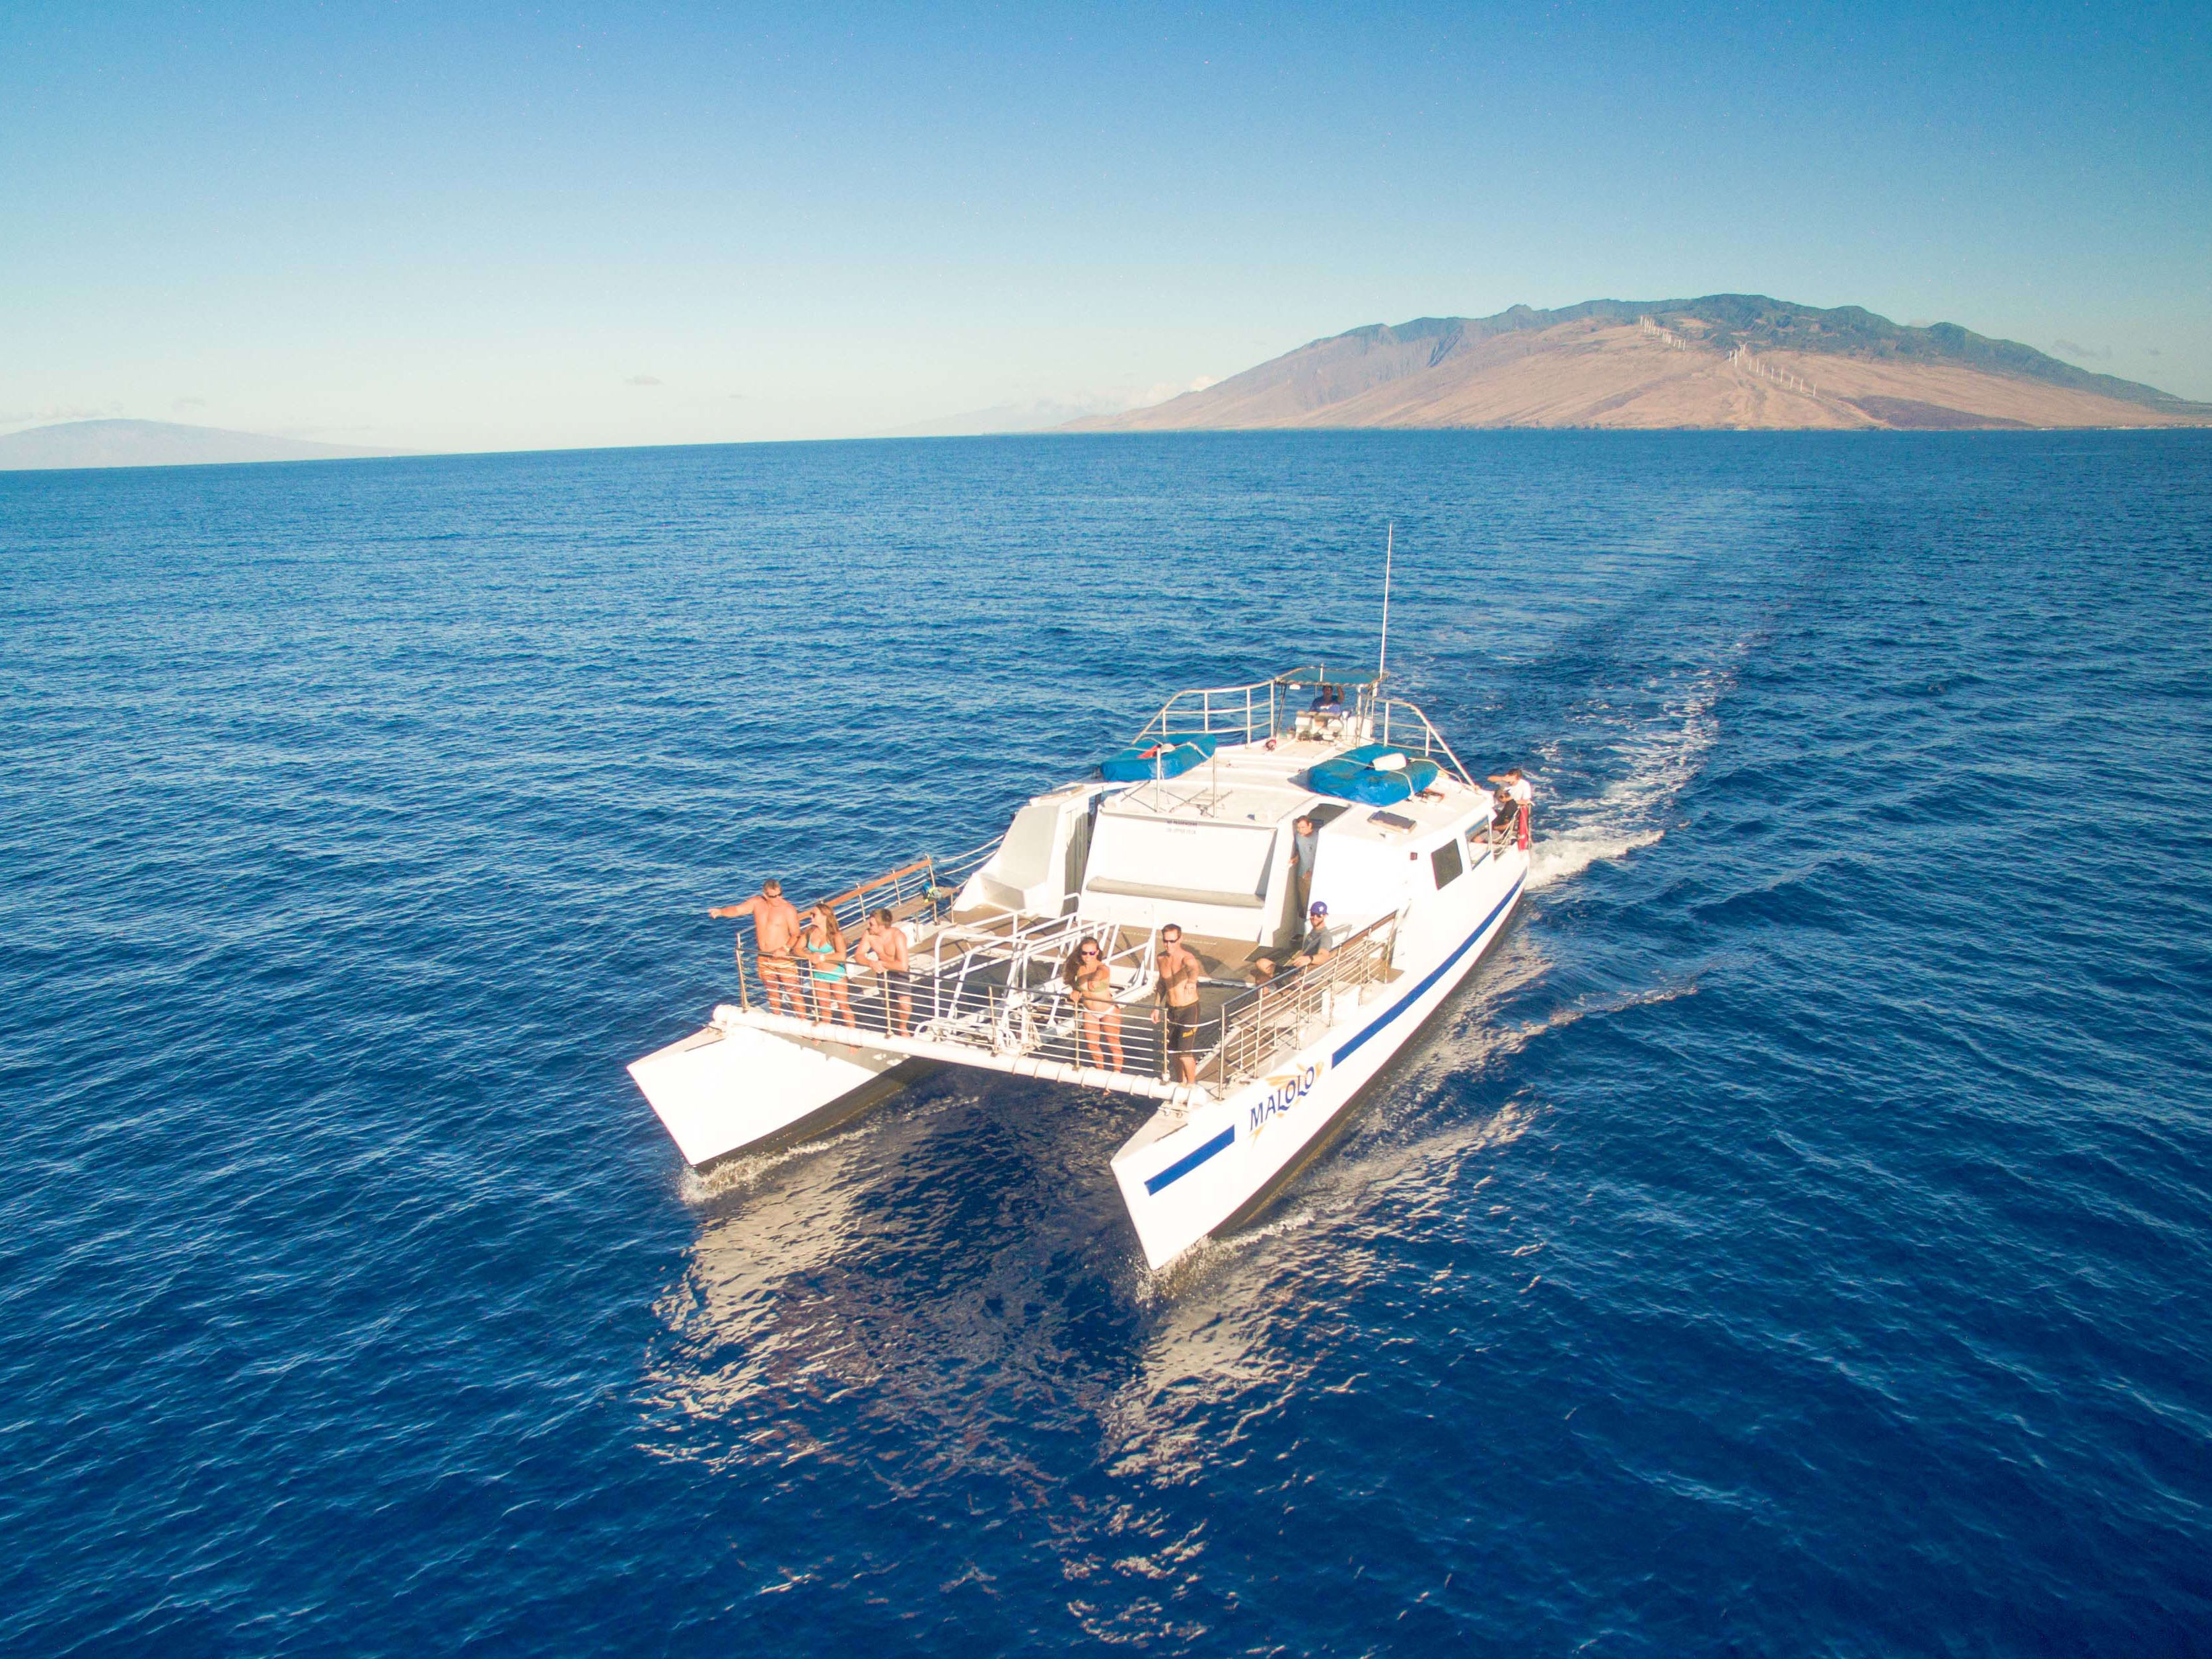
<point x="884" y="947"/>
<point x="1178" y="991"/>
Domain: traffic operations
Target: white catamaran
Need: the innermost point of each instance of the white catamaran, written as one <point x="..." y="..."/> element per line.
<point x="1190" y="827"/>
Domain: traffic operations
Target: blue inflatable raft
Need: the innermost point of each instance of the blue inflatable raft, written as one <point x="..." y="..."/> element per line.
<point x="1169" y="756"/>
<point x="1353" y="775"/>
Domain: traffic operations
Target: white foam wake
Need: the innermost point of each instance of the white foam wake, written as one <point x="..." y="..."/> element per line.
<point x="734" y="1173"/>
<point x="1630" y="813"/>
<point x="1557" y="857"/>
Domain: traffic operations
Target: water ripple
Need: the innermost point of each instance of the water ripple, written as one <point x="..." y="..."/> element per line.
<point x="1792" y="1240"/>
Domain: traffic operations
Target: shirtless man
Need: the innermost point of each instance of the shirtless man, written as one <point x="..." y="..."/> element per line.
<point x="775" y="926"/>
<point x="882" y="945"/>
<point x="1178" y="991"/>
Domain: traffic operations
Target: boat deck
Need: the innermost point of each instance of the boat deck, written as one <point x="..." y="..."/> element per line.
<point x="985" y="990"/>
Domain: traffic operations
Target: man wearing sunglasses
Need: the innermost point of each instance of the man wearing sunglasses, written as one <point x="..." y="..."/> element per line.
<point x="775" y="934"/>
<point x="1178" y="991"/>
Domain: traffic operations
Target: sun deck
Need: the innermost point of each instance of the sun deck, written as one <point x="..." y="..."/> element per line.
<point x="989" y="992"/>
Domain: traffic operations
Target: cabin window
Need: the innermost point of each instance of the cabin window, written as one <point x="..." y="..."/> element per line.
<point x="1445" y="862"/>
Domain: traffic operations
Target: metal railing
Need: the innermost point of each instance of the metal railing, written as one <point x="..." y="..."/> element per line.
<point x="1007" y="992"/>
<point x="1003" y="998"/>
<point x="1494" y="835"/>
<point x="1274" y="1020"/>
<point x="994" y="987"/>
<point x="1251" y="713"/>
<point x="1254" y="713"/>
<point x="919" y="893"/>
<point x="1431" y="740"/>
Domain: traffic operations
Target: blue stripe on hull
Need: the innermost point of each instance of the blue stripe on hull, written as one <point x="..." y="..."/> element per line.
<point x="1183" y="1165"/>
<point x="1222" y="1142"/>
<point x="1435" y="973"/>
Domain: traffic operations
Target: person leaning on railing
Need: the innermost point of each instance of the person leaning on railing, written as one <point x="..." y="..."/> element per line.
<point x="1091" y="983"/>
<point x="822" y="944"/>
<point x="1499" y="807"/>
<point x="1315" y="947"/>
<point x="775" y="928"/>
<point x="1515" y="795"/>
<point x="883" y="946"/>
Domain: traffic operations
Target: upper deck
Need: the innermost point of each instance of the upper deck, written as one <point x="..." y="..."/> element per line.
<point x="1261" y="785"/>
<point x="1283" y="710"/>
<point x="1249" y="783"/>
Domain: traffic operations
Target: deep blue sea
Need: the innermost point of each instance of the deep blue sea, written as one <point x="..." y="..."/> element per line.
<point x="1795" y="1240"/>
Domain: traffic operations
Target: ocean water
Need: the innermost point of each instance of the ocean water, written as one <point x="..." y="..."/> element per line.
<point x="1795" y="1240"/>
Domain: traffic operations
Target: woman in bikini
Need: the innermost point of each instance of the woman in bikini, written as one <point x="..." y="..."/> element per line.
<point x="821" y="948"/>
<point x="1092" y="982"/>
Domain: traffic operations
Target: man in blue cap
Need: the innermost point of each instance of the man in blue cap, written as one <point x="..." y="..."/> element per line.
<point x="1314" y="947"/>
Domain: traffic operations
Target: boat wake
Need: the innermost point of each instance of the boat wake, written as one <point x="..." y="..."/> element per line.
<point x="1411" y="1174"/>
<point x="1474" y="1041"/>
<point x="1199" y="1264"/>
<point x="1629" y="813"/>
<point x="735" y="1174"/>
<point x="1567" y="854"/>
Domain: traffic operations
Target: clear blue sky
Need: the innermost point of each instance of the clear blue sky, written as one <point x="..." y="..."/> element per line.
<point x="501" y="227"/>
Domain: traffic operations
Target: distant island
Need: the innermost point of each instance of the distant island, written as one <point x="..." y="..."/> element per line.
<point x="1728" y="361"/>
<point x="1736" y="361"/>
<point x="155" y="443"/>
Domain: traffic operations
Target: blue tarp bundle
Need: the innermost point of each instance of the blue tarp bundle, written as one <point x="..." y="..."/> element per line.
<point x="1352" y="776"/>
<point x="1165" y="758"/>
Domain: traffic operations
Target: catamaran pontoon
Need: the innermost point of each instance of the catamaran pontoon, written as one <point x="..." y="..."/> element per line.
<point x="1192" y="825"/>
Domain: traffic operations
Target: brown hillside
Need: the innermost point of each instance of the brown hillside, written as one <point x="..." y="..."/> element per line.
<point x="1604" y="371"/>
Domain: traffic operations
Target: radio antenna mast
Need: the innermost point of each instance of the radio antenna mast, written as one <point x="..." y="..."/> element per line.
<point x="1382" y="653"/>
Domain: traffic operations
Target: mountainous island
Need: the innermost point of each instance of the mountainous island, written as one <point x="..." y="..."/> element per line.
<point x="1726" y="361"/>
<point x="155" y="443"/>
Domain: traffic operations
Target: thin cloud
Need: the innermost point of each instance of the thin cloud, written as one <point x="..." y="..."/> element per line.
<point x="62" y="412"/>
<point x="190" y="402"/>
<point x="1161" y="391"/>
<point x="2089" y="354"/>
<point x="54" y="412"/>
<point x="642" y="380"/>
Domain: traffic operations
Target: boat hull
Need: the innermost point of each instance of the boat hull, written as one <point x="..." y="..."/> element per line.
<point x="1228" y="1158"/>
<point x="728" y="1090"/>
